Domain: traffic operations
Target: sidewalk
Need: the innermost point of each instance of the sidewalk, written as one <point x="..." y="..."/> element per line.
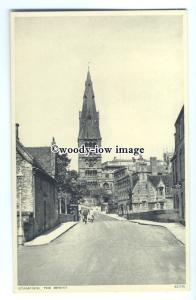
<point x="177" y="229"/>
<point x="49" y="237"/>
<point x="115" y="216"/>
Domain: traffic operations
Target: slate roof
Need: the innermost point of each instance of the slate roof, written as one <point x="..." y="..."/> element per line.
<point x="181" y="115"/>
<point x="167" y="180"/>
<point x="28" y="156"/>
<point x="155" y="179"/>
<point x="43" y="156"/>
<point x="135" y="179"/>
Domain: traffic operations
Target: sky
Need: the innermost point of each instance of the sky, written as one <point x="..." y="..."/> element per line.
<point x="137" y="64"/>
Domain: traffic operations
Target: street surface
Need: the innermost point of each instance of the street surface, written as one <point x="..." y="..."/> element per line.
<point x="106" y="252"/>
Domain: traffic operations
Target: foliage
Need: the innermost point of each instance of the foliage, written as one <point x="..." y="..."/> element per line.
<point x="62" y="162"/>
<point x="101" y="195"/>
<point x="68" y="181"/>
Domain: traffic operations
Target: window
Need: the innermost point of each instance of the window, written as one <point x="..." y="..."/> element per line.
<point x="161" y="205"/>
<point x="161" y="190"/>
<point x="90" y="172"/>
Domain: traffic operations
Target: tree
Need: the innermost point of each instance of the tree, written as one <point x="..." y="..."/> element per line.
<point x="68" y="181"/>
<point x="101" y="195"/>
<point x="62" y="162"/>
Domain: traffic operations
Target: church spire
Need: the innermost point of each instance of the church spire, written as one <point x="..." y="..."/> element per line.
<point x="89" y="117"/>
<point x="88" y="78"/>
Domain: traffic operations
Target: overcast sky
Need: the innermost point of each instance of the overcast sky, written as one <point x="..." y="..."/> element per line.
<point x="137" y="68"/>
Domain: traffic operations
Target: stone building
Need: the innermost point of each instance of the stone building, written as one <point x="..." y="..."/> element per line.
<point x="143" y="189"/>
<point x="37" y="201"/>
<point x="89" y="167"/>
<point x="123" y="190"/>
<point x="152" y="193"/>
<point x="178" y="167"/>
<point x="154" y="166"/>
<point x="118" y="163"/>
<point x="150" y="190"/>
<point x="107" y="179"/>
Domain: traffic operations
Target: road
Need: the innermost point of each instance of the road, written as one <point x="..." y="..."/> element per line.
<point x="107" y="252"/>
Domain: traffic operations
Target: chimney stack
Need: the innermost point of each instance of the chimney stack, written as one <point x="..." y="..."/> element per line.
<point x="153" y="165"/>
<point x="17" y="131"/>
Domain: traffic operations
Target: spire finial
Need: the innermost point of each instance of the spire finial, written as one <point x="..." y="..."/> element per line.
<point x="53" y="141"/>
<point x="88" y="79"/>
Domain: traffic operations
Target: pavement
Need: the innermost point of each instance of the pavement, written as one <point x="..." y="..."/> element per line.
<point x="177" y="229"/>
<point x="106" y="252"/>
<point x="51" y="236"/>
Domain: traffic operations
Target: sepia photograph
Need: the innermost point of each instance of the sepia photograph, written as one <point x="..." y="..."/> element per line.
<point x="99" y="150"/>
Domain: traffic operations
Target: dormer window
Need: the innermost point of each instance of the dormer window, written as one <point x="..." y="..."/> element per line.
<point x="161" y="190"/>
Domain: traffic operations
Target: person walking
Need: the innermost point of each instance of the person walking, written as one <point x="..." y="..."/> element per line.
<point x="91" y="216"/>
<point x="85" y="215"/>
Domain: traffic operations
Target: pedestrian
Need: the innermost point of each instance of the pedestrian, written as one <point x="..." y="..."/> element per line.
<point x="91" y="216"/>
<point x="85" y="214"/>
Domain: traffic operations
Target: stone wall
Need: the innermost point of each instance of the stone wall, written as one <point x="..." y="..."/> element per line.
<point x="164" y="216"/>
<point x="46" y="204"/>
<point x="24" y="184"/>
<point x="66" y="218"/>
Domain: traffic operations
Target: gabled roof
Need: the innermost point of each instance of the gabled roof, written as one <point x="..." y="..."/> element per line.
<point x="135" y="179"/>
<point x="43" y="156"/>
<point x="155" y="180"/>
<point x="25" y="153"/>
<point x="181" y="114"/>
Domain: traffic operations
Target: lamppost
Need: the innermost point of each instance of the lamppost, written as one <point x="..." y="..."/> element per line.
<point x="20" y="228"/>
<point x="60" y="200"/>
<point x="178" y="188"/>
<point x="130" y="194"/>
<point x="75" y="206"/>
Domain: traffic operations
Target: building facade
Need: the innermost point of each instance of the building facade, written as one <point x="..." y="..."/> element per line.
<point x="178" y="167"/>
<point x="37" y="201"/>
<point x="123" y="190"/>
<point x="152" y="193"/>
<point x="142" y="190"/>
<point x="89" y="167"/>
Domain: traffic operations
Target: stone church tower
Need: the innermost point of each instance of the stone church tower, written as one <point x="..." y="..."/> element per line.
<point x="89" y="167"/>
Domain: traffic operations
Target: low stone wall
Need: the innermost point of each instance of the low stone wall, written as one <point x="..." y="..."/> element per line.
<point x="164" y="216"/>
<point x="66" y="218"/>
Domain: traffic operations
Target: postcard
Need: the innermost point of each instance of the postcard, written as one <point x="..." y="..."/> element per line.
<point x="99" y="149"/>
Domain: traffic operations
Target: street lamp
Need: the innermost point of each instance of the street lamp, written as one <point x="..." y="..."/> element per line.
<point x="60" y="200"/>
<point x="75" y="205"/>
<point x="20" y="228"/>
<point x="130" y="194"/>
<point x="178" y="189"/>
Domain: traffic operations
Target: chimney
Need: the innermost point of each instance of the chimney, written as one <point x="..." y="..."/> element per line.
<point x="53" y="160"/>
<point x="17" y="131"/>
<point x="153" y="165"/>
<point x="142" y="171"/>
